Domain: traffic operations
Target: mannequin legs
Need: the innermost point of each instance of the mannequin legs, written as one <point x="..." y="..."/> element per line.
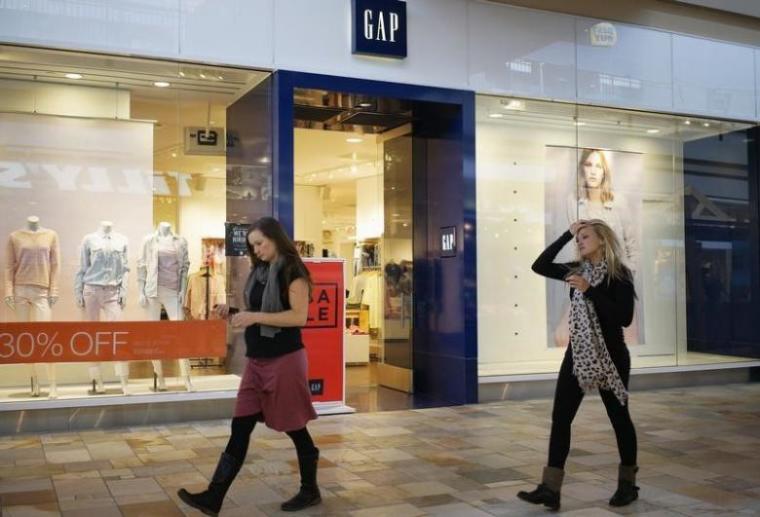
<point x="105" y="299"/>
<point x="32" y="304"/>
<point x="169" y="299"/>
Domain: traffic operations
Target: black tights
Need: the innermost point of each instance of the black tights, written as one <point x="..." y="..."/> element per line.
<point x="567" y="400"/>
<point x="242" y="427"/>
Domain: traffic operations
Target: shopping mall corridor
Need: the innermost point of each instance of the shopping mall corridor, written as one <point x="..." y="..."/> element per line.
<point x="699" y="455"/>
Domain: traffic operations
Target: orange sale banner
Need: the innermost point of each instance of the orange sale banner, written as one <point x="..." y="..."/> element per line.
<point x="61" y="342"/>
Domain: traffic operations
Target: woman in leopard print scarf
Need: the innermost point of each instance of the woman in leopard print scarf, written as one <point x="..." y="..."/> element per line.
<point x="601" y="305"/>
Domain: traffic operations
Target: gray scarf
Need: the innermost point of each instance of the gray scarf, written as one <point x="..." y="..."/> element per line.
<point x="592" y="364"/>
<point x="271" y="301"/>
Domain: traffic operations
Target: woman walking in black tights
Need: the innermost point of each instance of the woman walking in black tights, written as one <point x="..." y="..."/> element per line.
<point x="274" y="388"/>
<point x="601" y="305"/>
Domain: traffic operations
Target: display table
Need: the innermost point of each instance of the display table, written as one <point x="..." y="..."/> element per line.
<point x="357" y="348"/>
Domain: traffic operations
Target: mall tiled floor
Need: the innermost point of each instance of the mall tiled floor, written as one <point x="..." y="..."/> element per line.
<point x="699" y="455"/>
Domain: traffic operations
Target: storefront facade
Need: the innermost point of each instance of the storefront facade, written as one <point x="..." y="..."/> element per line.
<point x="500" y="112"/>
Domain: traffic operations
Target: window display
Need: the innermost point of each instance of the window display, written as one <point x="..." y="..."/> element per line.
<point x="546" y="165"/>
<point x="106" y="211"/>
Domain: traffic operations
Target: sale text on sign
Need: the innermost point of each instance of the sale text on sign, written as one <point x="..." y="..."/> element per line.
<point x="61" y="342"/>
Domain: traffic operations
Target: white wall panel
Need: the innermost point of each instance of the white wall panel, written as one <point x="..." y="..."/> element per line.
<point x="238" y="32"/>
<point x="144" y="27"/>
<point x="634" y="71"/>
<point x="521" y="52"/>
<point x="319" y="40"/>
<point x="713" y="78"/>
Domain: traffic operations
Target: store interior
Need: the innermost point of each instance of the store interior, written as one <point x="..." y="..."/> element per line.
<point x="353" y="201"/>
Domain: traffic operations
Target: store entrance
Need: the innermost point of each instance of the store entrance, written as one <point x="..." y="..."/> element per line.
<point x="354" y="202"/>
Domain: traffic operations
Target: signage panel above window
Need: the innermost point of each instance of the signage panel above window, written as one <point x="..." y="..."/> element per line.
<point x="379" y="27"/>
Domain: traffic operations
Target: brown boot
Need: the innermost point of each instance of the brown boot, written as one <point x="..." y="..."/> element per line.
<point x="548" y="492"/>
<point x="627" y="491"/>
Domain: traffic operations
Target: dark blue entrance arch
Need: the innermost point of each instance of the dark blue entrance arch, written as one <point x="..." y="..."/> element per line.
<point x="445" y="340"/>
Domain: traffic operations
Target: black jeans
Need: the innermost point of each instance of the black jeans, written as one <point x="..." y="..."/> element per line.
<point x="567" y="399"/>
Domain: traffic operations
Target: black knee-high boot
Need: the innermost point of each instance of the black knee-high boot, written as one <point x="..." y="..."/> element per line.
<point x="309" y="494"/>
<point x="210" y="501"/>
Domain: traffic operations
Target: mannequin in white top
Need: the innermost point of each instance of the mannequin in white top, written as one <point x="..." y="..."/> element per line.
<point x="32" y="283"/>
<point x="101" y="289"/>
<point x="162" y="280"/>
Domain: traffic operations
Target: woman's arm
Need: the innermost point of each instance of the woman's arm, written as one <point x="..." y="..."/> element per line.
<point x="614" y="304"/>
<point x="298" y="296"/>
<point x="545" y="265"/>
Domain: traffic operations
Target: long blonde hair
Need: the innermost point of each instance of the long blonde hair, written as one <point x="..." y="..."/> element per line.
<point x="606" y="186"/>
<point x="612" y="250"/>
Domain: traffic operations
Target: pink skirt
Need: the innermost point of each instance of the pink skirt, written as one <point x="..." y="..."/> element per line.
<point x="278" y="389"/>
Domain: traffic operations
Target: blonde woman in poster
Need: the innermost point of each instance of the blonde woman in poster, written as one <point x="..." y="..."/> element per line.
<point x="596" y="199"/>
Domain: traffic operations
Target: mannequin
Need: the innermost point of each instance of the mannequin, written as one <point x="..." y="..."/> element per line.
<point x="100" y="288"/>
<point x="162" y="280"/>
<point x="204" y="290"/>
<point x="31" y="290"/>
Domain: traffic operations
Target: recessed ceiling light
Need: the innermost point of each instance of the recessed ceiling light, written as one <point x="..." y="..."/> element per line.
<point x="174" y="155"/>
<point x="161" y="84"/>
<point x="653" y="131"/>
<point x="706" y="124"/>
<point x="220" y="77"/>
<point x="73" y="76"/>
<point x="354" y="169"/>
<point x="496" y="115"/>
<point x="579" y="123"/>
<point x="687" y="122"/>
<point x="354" y="140"/>
<point x="203" y="76"/>
<point x="365" y="104"/>
<point x="182" y="74"/>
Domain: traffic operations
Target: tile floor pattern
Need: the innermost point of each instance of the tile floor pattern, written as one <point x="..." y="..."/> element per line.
<point x="699" y="455"/>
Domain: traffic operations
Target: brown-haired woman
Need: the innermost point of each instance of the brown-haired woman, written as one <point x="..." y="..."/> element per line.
<point x="601" y="304"/>
<point x="274" y="388"/>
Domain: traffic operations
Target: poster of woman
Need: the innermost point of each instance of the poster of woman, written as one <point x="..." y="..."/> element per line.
<point x="593" y="184"/>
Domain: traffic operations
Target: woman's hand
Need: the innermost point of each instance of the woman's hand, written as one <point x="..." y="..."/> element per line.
<point x="245" y="319"/>
<point x="576" y="226"/>
<point x="222" y="310"/>
<point x="578" y="282"/>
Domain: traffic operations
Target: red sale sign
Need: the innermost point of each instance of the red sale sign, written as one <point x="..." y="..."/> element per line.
<point x="323" y="335"/>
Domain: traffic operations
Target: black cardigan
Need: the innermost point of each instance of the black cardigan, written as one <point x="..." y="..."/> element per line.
<point x="613" y="299"/>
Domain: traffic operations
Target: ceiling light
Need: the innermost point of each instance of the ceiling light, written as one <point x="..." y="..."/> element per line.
<point x="579" y="123"/>
<point x="706" y="124"/>
<point x="365" y="104"/>
<point x="406" y="224"/>
<point x="174" y="155"/>
<point x="687" y="122"/>
<point x="73" y="76"/>
<point x="653" y="131"/>
<point x="354" y="140"/>
<point x="496" y="115"/>
<point x="203" y="76"/>
<point x="161" y="84"/>
<point x="220" y="77"/>
<point x="182" y="74"/>
<point x="354" y="169"/>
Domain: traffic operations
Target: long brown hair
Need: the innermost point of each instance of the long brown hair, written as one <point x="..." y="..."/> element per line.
<point x="294" y="267"/>
<point x="606" y="186"/>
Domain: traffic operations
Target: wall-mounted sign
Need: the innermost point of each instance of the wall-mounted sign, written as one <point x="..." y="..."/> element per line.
<point x="235" y="239"/>
<point x="449" y="241"/>
<point x="379" y="27"/>
<point x="205" y="140"/>
<point x="603" y="34"/>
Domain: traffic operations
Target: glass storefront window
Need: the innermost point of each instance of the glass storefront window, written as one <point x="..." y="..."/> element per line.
<point x="658" y="180"/>
<point x="114" y="194"/>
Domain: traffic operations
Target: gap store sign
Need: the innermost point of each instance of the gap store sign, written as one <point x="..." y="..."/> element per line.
<point x="379" y="27"/>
